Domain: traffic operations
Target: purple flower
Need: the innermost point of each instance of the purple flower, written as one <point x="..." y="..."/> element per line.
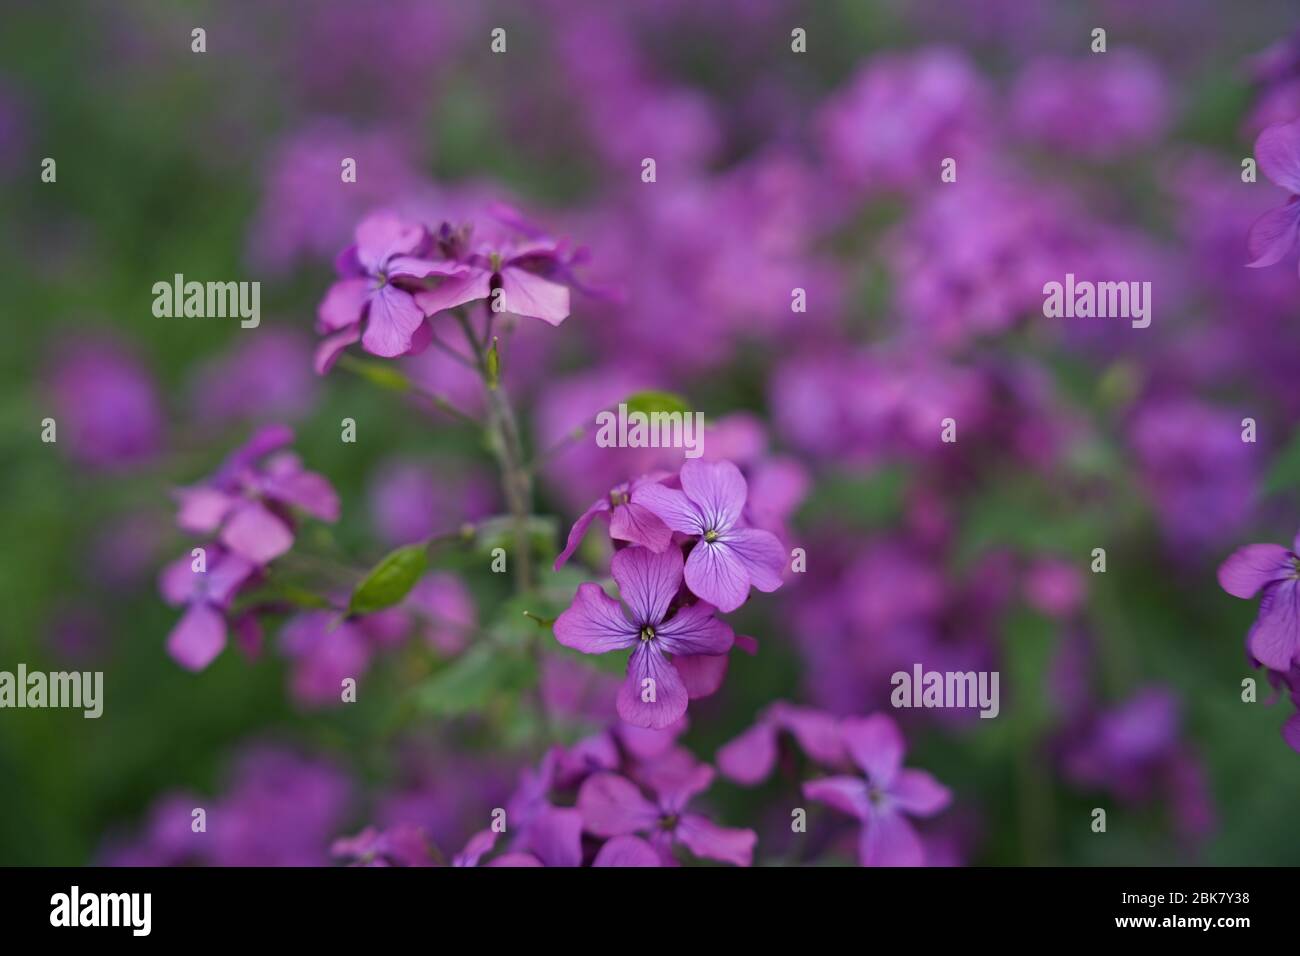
<point x="404" y="845"/>
<point x="106" y="405"/>
<point x="1098" y="107"/>
<point x="750" y="758"/>
<point x="444" y="610"/>
<point x="629" y="520"/>
<point x="728" y="557"/>
<point x="887" y="796"/>
<point x="249" y="499"/>
<point x="613" y="806"/>
<point x="200" y="635"/>
<point x="524" y="273"/>
<point x="324" y="651"/>
<point x="899" y="115"/>
<point x="380" y="273"/>
<point x="1273" y="236"/>
<point x="654" y="694"/>
<point x="1274" y="638"/>
<point x="265" y="376"/>
<point x="626" y="851"/>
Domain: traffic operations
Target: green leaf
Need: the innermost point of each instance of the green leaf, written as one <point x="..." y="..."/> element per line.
<point x="653" y="401"/>
<point x="472" y="681"/>
<point x="390" y="580"/>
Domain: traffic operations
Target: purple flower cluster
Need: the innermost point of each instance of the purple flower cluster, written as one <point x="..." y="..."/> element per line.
<point x="251" y="505"/>
<point x="668" y="617"/>
<point x="398" y="276"/>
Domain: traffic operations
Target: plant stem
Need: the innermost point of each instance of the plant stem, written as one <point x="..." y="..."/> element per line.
<point x="508" y="447"/>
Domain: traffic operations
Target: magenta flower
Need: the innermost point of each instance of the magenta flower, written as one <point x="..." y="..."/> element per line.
<point x="654" y="693"/>
<point x="1274" y="638"/>
<point x="249" y="500"/>
<point x="380" y="273"/>
<point x="629" y="520"/>
<point x="106" y="403"/>
<point x="728" y="557"/>
<point x="524" y="274"/>
<point x="887" y="796"/>
<point x="750" y="758"/>
<point x="625" y="851"/>
<point x="200" y="635"/>
<point x="1274" y="234"/>
<point x="613" y="806"/>
<point x="403" y="845"/>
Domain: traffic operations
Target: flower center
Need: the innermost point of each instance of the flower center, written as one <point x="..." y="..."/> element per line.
<point x="647" y="633"/>
<point x="668" y="821"/>
<point x="617" y="498"/>
<point x="711" y="536"/>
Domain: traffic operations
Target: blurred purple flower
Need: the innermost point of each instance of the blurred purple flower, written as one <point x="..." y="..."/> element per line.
<point x="613" y="806"/>
<point x="200" y="635"/>
<point x="1273" y="236"/>
<point x="248" y="500"/>
<point x="887" y="796"/>
<point x="750" y="758"/>
<point x="1098" y="107"/>
<point x="106" y="407"/>
<point x="267" y="376"/>
<point x="901" y="115"/>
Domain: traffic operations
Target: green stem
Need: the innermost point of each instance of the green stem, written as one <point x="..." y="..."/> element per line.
<point x="508" y="447"/>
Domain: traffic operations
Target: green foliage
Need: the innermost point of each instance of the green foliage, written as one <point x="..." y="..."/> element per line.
<point x="390" y="580"/>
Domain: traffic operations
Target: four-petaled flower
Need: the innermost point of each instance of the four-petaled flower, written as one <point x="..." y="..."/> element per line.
<point x="613" y="806"/>
<point x="886" y="797"/>
<point x="728" y="557"/>
<point x="654" y="694"/>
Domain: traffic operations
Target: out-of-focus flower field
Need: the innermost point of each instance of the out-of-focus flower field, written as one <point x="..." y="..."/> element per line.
<point x="828" y="227"/>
